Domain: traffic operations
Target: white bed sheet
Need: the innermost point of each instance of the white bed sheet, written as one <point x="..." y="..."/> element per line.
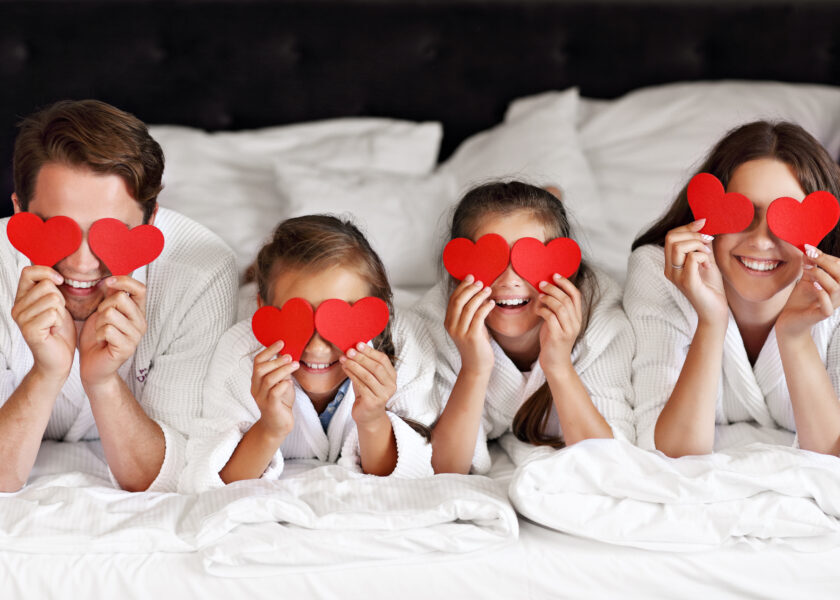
<point x="541" y="564"/>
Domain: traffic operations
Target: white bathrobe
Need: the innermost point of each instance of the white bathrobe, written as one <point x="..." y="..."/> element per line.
<point x="664" y="322"/>
<point x="230" y="411"/>
<point x="190" y="302"/>
<point x="601" y="357"/>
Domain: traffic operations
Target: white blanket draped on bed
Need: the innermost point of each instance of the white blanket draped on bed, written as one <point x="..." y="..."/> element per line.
<point x="615" y="492"/>
<point x="316" y="517"/>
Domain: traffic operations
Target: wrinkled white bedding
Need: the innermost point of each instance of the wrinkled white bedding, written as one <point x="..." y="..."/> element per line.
<point x="318" y="514"/>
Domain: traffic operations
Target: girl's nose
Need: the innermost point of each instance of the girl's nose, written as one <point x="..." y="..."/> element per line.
<point x="508" y="278"/>
<point x="318" y="345"/>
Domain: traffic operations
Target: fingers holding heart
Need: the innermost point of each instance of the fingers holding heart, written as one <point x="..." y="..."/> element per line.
<point x="372" y="374"/>
<point x="41" y="297"/>
<point x="132" y="290"/>
<point x="823" y="272"/>
<point x="568" y="288"/>
<point x="680" y="242"/>
<point x="269" y="352"/>
<point x="34" y="275"/>
<point x="562" y="308"/>
<point x="466" y="319"/>
<point x="271" y="373"/>
<point x="125" y="312"/>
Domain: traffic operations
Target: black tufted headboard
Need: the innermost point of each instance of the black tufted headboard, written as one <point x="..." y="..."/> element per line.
<point x="233" y="64"/>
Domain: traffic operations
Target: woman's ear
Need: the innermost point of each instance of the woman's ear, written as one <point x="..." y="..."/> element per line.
<point x="554" y="191"/>
<point x="16" y="203"/>
<point x="260" y="302"/>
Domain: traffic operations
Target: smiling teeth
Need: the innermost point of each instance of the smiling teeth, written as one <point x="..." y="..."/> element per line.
<point x="316" y="366"/>
<point x="512" y="302"/>
<point x="759" y="265"/>
<point x="80" y="284"/>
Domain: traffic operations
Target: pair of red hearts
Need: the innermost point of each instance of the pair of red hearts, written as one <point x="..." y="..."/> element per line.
<point x="337" y="321"/>
<point x="798" y="223"/>
<point x="121" y="249"/>
<point x="489" y="256"/>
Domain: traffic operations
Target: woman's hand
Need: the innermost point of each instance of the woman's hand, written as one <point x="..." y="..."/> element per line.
<point x="374" y="381"/>
<point x="274" y="391"/>
<point x="469" y="306"/>
<point x="561" y="309"/>
<point x="690" y="265"/>
<point x="814" y="297"/>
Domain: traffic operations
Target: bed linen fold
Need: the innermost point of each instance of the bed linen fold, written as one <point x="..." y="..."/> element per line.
<point x="317" y="516"/>
<point x="612" y="491"/>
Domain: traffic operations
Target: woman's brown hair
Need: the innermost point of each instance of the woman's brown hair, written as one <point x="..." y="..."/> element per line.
<point x="505" y="198"/>
<point x="789" y="143"/>
<point x="93" y="135"/>
<point x="323" y="241"/>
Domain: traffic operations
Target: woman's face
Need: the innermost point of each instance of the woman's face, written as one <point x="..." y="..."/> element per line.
<point x="320" y="373"/>
<point x="516" y="307"/>
<point x="756" y="266"/>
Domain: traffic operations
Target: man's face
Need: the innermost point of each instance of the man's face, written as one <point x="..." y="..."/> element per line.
<point x="85" y="197"/>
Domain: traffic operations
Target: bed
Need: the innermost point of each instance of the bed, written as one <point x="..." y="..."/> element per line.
<point x="388" y="110"/>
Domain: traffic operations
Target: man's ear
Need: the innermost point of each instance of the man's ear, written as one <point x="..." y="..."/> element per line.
<point x="153" y="215"/>
<point x="16" y="203"/>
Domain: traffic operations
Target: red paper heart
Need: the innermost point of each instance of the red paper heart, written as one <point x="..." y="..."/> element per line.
<point x="44" y="243"/>
<point x="345" y="325"/>
<point x="485" y="259"/>
<point x="806" y="222"/>
<point x="536" y="262"/>
<point x="724" y="213"/>
<point x="294" y="324"/>
<point x="123" y="250"/>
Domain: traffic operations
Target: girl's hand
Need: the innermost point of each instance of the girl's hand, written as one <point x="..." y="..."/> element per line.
<point x="561" y="309"/>
<point x="814" y="297"/>
<point x="273" y="390"/>
<point x="469" y="306"/>
<point x="690" y="265"/>
<point x="374" y="381"/>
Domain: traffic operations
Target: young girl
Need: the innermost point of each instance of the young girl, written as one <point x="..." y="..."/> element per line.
<point x="741" y="327"/>
<point x="262" y="407"/>
<point x="551" y="364"/>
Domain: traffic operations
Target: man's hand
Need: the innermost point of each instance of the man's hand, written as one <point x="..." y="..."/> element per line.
<point x="47" y="327"/>
<point x="111" y="334"/>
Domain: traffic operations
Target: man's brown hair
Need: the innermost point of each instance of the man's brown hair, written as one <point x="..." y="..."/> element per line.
<point x="93" y="135"/>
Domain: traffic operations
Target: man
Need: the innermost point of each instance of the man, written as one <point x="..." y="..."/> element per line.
<point x="87" y="355"/>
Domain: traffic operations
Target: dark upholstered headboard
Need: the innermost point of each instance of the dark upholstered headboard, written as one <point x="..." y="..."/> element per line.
<point x="234" y="64"/>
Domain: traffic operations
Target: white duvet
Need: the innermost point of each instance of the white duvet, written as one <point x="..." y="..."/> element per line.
<point x="318" y="516"/>
<point x="612" y="491"/>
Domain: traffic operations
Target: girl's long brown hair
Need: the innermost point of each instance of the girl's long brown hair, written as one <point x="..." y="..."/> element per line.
<point x="315" y="242"/>
<point x="504" y="198"/>
<point x="789" y="143"/>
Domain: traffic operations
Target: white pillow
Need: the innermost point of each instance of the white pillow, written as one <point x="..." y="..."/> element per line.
<point x="363" y="143"/>
<point x="403" y="216"/>
<point x="226" y="180"/>
<point x="644" y="146"/>
<point x="539" y="144"/>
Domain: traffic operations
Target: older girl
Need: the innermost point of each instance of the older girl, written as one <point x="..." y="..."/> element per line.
<point x="551" y="364"/>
